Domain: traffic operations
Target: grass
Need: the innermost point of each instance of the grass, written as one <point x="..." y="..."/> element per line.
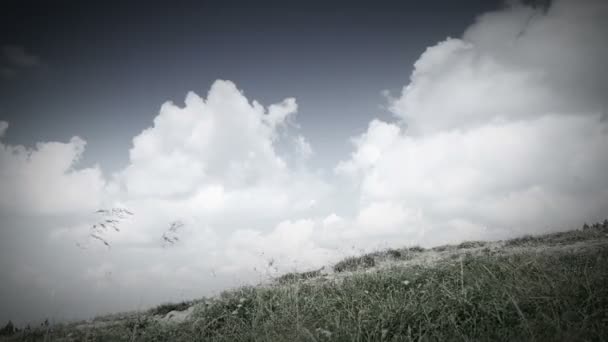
<point x="355" y="263"/>
<point x="471" y="244"/>
<point x="165" y="308"/>
<point x="517" y="293"/>
<point x="558" y="238"/>
<point x="298" y="276"/>
<point x="363" y="262"/>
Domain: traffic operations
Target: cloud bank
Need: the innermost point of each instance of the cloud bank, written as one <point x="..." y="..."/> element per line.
<point x="500" y="132"/>
<point x="43" y="181"/>
<point x="497" y="133"/>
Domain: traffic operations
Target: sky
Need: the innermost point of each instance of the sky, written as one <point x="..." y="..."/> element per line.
<point x="162" y="152"/>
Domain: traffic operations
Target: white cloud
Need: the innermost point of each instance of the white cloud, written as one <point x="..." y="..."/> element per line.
<point x="291" y="245"/>
<point x="212" y="164"/>
<point x="3" y="128"/>
<point x="215" y="162"/>
<point x="223" y="139"/>
<point x="44" y="180"/>
<point x="501" y="132"/>
<point x="383" y="217"/>
<point x="303" y="147"/>
<point x="514" y="64"/>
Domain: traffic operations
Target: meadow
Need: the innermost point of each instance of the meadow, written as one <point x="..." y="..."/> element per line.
<point x="533" y="288"/>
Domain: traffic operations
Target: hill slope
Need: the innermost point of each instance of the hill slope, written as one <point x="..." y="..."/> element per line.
<point x="544" y="288"/>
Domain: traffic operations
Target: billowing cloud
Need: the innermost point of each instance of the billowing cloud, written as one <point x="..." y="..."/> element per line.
<point x="44" y="180"/>
<point x="502" y="131"/>
<point x="212" y="165"/>
<point x="223" y="139"/>
<point x="516" y="64"/>
<point x="214" y="162"/>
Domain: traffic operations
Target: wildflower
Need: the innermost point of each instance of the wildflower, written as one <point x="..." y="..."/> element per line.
<point x="405" y="282"/>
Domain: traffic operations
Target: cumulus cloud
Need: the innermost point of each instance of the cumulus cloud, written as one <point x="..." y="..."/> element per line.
<point x="215" y="162"/>
<point x="222" y="140"/>
<point x="516" y="64"/>
<point x="211" y="164"/>
<point x="500" y="132"/>
<point x="44" y="180"/>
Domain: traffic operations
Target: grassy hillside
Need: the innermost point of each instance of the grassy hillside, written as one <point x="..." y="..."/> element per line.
<point x="543" y="288"/>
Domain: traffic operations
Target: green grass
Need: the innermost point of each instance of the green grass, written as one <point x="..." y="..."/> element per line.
<point x="366" y="261"/>
<point x="297" y="276"/>
<point x="165" y="308"/>
<point x="471" y="244"/>
<point x="355" y="263"/>
<point x="560" y="238"/>
<point x="511" y="294"/>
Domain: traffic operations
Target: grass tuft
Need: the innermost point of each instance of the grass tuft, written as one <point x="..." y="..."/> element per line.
<point x="352" y="264"/>
<point x="297" y="276"/>
<point x="471" y="244"/>
<point x="165" y="308"/>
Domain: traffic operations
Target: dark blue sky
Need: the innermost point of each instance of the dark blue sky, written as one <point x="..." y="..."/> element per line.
<point x="107" y="67"/>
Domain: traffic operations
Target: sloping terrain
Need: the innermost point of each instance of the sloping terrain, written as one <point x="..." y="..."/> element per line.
<point x="538" y="288"/>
